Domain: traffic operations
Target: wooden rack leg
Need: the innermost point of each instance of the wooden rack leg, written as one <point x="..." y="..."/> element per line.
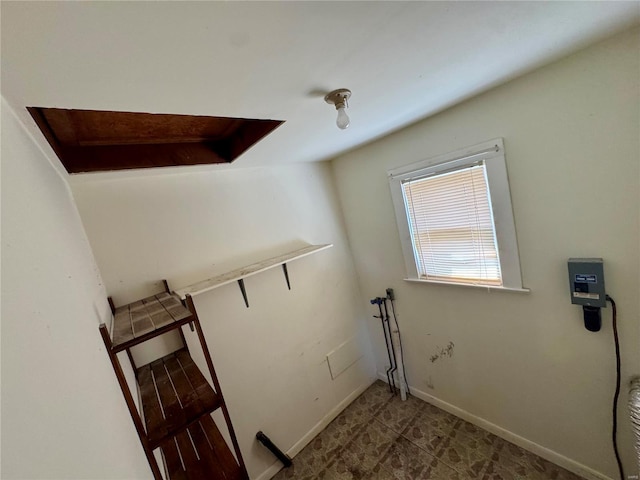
<point x="133" y="363"/>
<point x="216" y="383"/>
<point x="184" y="304"/>
<point x="184" y="340"/>
<point x="130" y="403"/>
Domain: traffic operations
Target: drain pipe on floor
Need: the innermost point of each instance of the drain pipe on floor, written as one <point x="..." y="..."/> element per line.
<point x="279" y="454"/>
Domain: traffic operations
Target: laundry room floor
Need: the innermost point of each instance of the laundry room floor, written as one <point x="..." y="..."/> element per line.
<point x="379" y="437"/>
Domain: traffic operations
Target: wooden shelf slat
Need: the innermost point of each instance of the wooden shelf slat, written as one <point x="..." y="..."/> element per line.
<point x="188" y="453"/>
<point x="249" y="270"/>
<point x="173" y="415"/>
<point x="173" y="306"/>
<point x="153" y="415"/>
<point x="223" y="453"/>
<point x="200" y="453"/>
<point x="204" y="391"/>
<point x="172" y="462"/>
<point x="158" y="313"/>
<point x="208" y="455"/>
<point x="187" y="395"/>
<point x="174" y="395"/>
<point x="122" y="330"/>
<point x="139" y="321"/>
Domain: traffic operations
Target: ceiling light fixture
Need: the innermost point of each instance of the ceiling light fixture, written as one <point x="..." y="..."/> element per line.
<point x="340" y="98"/>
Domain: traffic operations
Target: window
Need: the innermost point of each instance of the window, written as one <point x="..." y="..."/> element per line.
<point x="455" y="218"/>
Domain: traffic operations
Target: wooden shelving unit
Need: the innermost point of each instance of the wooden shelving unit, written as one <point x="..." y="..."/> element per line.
<point x="176" y="399"/>
<point x="239" y="274"/>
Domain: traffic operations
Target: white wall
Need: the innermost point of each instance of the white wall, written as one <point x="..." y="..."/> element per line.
<point x="63" y="415"/>
<point x="270" y="358"/>
<point x="524" y="362"/>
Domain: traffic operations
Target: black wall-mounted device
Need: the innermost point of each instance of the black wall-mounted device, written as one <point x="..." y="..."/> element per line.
<point x="586" y="284"/>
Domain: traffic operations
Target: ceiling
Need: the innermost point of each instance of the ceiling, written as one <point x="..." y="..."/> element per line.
<point x="403" y="61"/>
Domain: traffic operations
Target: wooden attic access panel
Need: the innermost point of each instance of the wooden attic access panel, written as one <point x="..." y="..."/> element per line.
<point x="99" y="141"/>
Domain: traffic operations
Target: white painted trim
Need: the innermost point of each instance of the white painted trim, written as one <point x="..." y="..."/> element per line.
<point x="488" y="148"/>
<point x="492" y="153"/>
<point x="315" y="430"/>
<point x="546" y="453"/>
<point x="483" y="287"/>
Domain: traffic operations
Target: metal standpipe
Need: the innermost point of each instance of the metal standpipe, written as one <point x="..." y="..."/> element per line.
<point x="392" y="356"/>
<point x="379" y="301"/>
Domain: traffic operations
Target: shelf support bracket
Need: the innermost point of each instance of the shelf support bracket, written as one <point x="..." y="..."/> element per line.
<point x="244" y="292"/>
<point x="286" y="275"/>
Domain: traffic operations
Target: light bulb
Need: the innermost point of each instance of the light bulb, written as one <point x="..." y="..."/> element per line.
<point x="343" y="119"/>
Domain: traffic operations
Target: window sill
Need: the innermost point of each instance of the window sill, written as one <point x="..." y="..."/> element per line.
<point x="473" y="285"/>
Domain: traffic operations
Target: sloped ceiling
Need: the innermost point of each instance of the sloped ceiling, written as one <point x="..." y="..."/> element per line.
<point x="403" y="61"/>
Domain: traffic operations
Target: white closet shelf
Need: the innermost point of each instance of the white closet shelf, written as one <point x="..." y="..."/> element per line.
<point x="239" y="274"/>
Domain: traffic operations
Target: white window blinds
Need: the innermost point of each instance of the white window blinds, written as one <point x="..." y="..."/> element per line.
<point x="451" y="225"/>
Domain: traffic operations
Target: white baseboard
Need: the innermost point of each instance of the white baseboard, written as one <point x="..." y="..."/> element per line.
<point x="547" y="454"/>
<point x="315" y="430"/>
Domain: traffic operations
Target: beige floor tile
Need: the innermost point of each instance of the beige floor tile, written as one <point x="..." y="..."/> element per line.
<point x="379" y="437"/>
<point x="368" y="448"/>
<point x="438" y="470"/>
<point x="405" y="460"/>
<point x="426" y="433"/>
<point x="464" y="459"/>
<point x="397" y="414"/>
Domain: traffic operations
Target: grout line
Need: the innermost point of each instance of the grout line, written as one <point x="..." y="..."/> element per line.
<point x="436" y="454"/>
<point x="369" y="416"/>
<point x="432" y="456"/>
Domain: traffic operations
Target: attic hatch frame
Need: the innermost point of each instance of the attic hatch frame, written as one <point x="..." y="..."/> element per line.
<point x="88" y="141"/>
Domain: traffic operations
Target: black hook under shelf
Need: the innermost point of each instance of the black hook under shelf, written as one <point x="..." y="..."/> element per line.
<point x="244" y="290"/>
<point x="286" y="275"/>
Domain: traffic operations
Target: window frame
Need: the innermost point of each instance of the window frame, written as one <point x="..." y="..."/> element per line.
<point x="492" y="154"/>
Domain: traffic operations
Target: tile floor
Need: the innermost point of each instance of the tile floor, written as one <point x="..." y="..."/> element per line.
<point x="379" y="437"/>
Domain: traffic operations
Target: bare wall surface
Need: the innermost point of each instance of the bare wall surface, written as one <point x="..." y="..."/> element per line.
<point x="63" y="415"/>
<point x="271" y="357"/>
<point x="524" y="362"/>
